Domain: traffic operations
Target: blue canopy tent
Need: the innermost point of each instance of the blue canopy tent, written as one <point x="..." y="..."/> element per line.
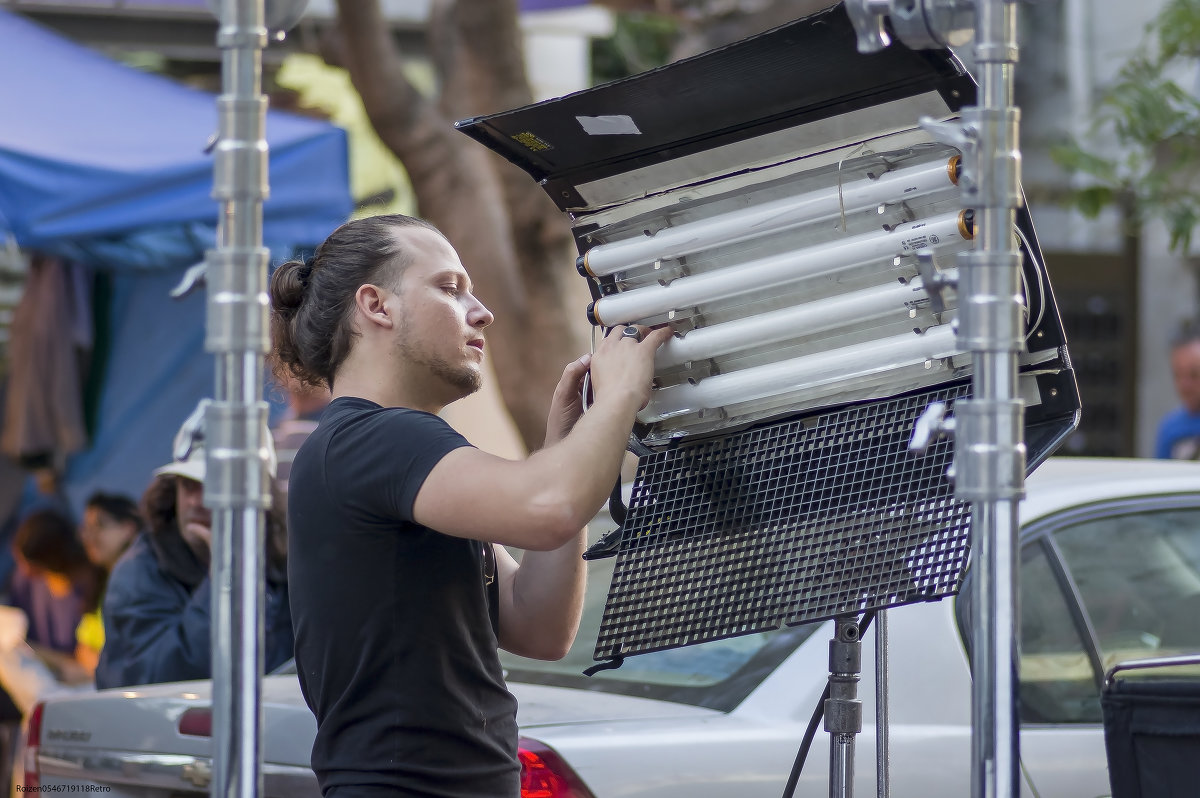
<point x="106" y="166"/>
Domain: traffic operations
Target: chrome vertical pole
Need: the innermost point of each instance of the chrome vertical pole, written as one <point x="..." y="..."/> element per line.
<point x="989" y="438"/>
<point x="883" y="781"/>
<point x="237" y="487"/>
<point x="988" y="428"/>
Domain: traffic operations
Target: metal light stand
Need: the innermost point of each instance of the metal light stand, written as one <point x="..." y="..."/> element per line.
<point x="989" y="428"/>
<point x="883" y="785"/>
<point x="843" y="708"/>
<point x="237" y="482"/>
<point x="237" y="479"/>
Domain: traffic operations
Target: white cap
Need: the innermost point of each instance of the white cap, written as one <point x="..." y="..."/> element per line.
<point x="189" y="449"/>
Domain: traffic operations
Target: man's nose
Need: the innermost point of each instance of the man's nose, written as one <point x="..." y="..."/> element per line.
<point x="480" y="316"/>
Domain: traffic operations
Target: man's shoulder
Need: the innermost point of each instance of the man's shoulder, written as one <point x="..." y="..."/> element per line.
<point x="360" y="421"/>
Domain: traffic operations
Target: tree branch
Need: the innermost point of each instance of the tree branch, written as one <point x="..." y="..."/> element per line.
<point x="392" y="101"/>
<point x="491" y="68"/>
<point x="493" y="53"/>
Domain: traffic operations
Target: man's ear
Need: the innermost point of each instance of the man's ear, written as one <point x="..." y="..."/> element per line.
<point x="371" y="302"/>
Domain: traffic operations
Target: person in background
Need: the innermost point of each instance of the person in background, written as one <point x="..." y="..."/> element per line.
<point x="111" y="522"/>
<point x="1179" y="431"/>
<point x="157" y="609"/>
<point x="55" y="586"/>
<point x="30" y="484"/>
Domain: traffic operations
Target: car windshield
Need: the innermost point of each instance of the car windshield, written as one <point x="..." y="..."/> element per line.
<point x="718" y="674"/>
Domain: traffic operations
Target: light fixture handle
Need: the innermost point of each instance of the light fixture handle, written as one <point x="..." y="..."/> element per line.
<point x="932" y="426"/>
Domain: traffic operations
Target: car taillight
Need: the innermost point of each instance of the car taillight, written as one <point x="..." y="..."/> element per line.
<point x="196" y="722"/>
<point x="33" y="740"/>
<point x="545" y="775"/>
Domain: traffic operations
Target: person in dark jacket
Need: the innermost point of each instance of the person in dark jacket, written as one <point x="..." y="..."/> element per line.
<point x="157" y="608"/>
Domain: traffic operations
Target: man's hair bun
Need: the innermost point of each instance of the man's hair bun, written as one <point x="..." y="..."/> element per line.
<point x="288" y="286"/>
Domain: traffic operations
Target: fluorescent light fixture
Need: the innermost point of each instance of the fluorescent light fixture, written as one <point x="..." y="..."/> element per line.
<point x="778" y="232"/>
<point x="648" y="304"/>
<point x="788" y="294"/>
<point x="797" y="233"/>
<point x="900" y="185"/>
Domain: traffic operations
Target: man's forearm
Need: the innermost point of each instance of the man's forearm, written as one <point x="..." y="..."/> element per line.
<point x="547" y="595"/>
<point x="585" y="465"/>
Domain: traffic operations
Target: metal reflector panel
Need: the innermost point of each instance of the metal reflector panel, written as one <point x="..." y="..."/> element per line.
<point x="784" y="524"/>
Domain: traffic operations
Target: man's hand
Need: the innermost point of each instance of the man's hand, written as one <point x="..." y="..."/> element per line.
<point x="625" y="365"/>
<point x="199" y="537"/>
<point x="567" y="405"/>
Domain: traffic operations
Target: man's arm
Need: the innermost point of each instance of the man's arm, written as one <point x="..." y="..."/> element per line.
<point x="541" y="599"/>
<point x="542" y="502"/>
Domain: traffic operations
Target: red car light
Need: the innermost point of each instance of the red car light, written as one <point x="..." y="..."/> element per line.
<point x="33" y="740"/>
<point x="196" y="722"/>
<point x="545" y="775"/>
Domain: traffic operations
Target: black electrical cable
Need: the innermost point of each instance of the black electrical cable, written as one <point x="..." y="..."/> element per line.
<point x="810" y="733"/>
<point x="617" y="510"/>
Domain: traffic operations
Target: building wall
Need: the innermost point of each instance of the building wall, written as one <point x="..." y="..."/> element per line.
<point x="1070" y="50"/>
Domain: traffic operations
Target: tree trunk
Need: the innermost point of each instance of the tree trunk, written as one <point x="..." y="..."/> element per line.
<point x="707" y="24"/>
<point x="513" y="241"/>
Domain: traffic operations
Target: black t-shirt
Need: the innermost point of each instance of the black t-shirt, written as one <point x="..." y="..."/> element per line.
<point x="395" y="623"/>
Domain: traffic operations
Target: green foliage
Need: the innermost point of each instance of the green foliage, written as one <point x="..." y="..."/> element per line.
<point x="1155" y="124"/>
<point x="639" y="42"/>
<point x="1178" y="30"/>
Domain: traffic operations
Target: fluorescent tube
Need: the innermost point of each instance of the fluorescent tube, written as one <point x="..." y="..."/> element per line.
<point x="776" y="326"/>
<point x="650" y="302"/>
<point x="775" y="216"/>
<point x="801" y="373"/>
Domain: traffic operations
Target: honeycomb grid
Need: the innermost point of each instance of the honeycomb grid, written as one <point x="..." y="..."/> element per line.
<point x="788" y="523"/>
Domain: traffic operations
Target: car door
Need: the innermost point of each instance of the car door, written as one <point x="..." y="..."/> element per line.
<point x="1099" y="585"/>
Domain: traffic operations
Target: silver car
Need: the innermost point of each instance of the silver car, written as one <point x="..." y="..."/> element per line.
<point x="1110" y="571"/>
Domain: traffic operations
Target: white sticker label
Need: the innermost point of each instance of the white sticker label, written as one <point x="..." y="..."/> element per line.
<point x="614" y="125"/>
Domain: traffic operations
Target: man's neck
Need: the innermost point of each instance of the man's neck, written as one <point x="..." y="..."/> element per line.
<point x="385" y="393"/>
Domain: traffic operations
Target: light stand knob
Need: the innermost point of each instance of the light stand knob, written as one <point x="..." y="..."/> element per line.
<point x="932" y="426"/>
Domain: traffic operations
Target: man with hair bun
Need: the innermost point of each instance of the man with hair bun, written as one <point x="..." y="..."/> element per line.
<point x="401" y="588"/>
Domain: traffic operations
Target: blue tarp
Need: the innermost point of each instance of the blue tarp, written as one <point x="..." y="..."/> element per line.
<point x="90" y="147"/>
<point x="205" y="5"/>
<point x="106" y="164"/>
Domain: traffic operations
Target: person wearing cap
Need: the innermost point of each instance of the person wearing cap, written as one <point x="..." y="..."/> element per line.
<point x="157" y="608"/>
<point x="399" y="525"/>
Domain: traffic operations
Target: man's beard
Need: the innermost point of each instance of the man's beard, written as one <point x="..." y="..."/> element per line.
<point x="463" y="379"/>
